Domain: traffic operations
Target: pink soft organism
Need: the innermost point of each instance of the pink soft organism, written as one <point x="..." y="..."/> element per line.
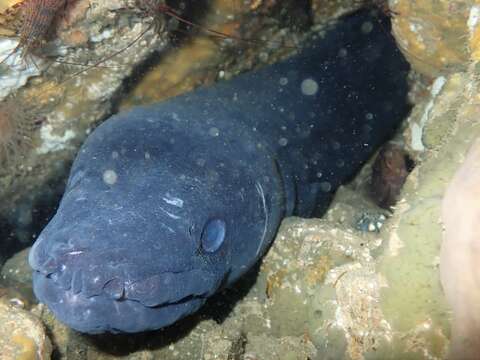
<point x="460" y="256"/>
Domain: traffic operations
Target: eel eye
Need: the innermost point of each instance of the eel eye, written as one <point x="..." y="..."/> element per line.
<point x="213" y="235"/>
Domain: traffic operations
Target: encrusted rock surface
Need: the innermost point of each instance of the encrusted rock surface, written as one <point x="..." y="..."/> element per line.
<point x="22" y="335"/>
<point x="437" y="37"/>
<point x="450" y="127"/>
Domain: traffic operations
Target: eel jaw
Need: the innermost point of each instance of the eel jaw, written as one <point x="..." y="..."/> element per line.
<point x="96" y="293"/>
<point x="102" y="313"/>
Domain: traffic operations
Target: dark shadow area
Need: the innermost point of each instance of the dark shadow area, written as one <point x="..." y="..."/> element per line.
<point x="29" y="217"/>
<point x="297" y="15"/>
<point x="194" y="12"/>
<point x="9" y="245"/>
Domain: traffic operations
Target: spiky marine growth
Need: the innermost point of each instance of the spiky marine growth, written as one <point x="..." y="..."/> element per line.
<point x="16" y="131"/>
<point x="32" y="21"/>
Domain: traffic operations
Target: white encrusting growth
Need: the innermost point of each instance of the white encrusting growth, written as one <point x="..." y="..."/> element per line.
<point x="15" y="71"/>
<point x="51" y="141"/>
<point x="106" y="34"/>
<point x="473" y="18"/>
<point x="417" y="128"/>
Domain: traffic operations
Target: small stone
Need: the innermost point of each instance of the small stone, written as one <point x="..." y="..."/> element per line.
<point x="16" y="270"/>
<point x="266" y="347"/>
<point x="22" y="335"/>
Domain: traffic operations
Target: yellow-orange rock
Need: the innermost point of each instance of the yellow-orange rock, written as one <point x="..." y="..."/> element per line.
<point x="433" y="34"/>
<point x="22" y="335"/>
<point x="5" y="4"/>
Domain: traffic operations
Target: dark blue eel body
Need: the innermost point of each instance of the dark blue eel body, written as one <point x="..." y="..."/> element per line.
<point x="167" y="204"/>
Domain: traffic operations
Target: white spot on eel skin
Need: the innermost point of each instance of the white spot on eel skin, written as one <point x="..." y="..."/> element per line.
<point x="173" y="216"/>
<point x="169" y="199"/>
<point x="110" y="177"/>
<point x="309" y="87"/>
<point x="78" y="252"/>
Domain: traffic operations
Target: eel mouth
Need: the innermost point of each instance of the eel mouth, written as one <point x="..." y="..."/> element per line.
<point x="100" y="313"/>
<point x="111" y="291"/>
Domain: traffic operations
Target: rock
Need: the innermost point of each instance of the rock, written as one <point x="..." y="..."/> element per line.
<point x="440" y="131"/>
<point x="61" y="336"/>
<point x="16" y="270"/>
<point x="17" y="274"/>
<point x="265" y="347"/>
<point x="323" y="285"/>
<point x="22" y="335"/>
<point x="434" y="35"/>
<point x="459" y="256"/>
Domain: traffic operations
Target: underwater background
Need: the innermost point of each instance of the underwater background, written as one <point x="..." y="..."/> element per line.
<point x="361" y="282"/>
